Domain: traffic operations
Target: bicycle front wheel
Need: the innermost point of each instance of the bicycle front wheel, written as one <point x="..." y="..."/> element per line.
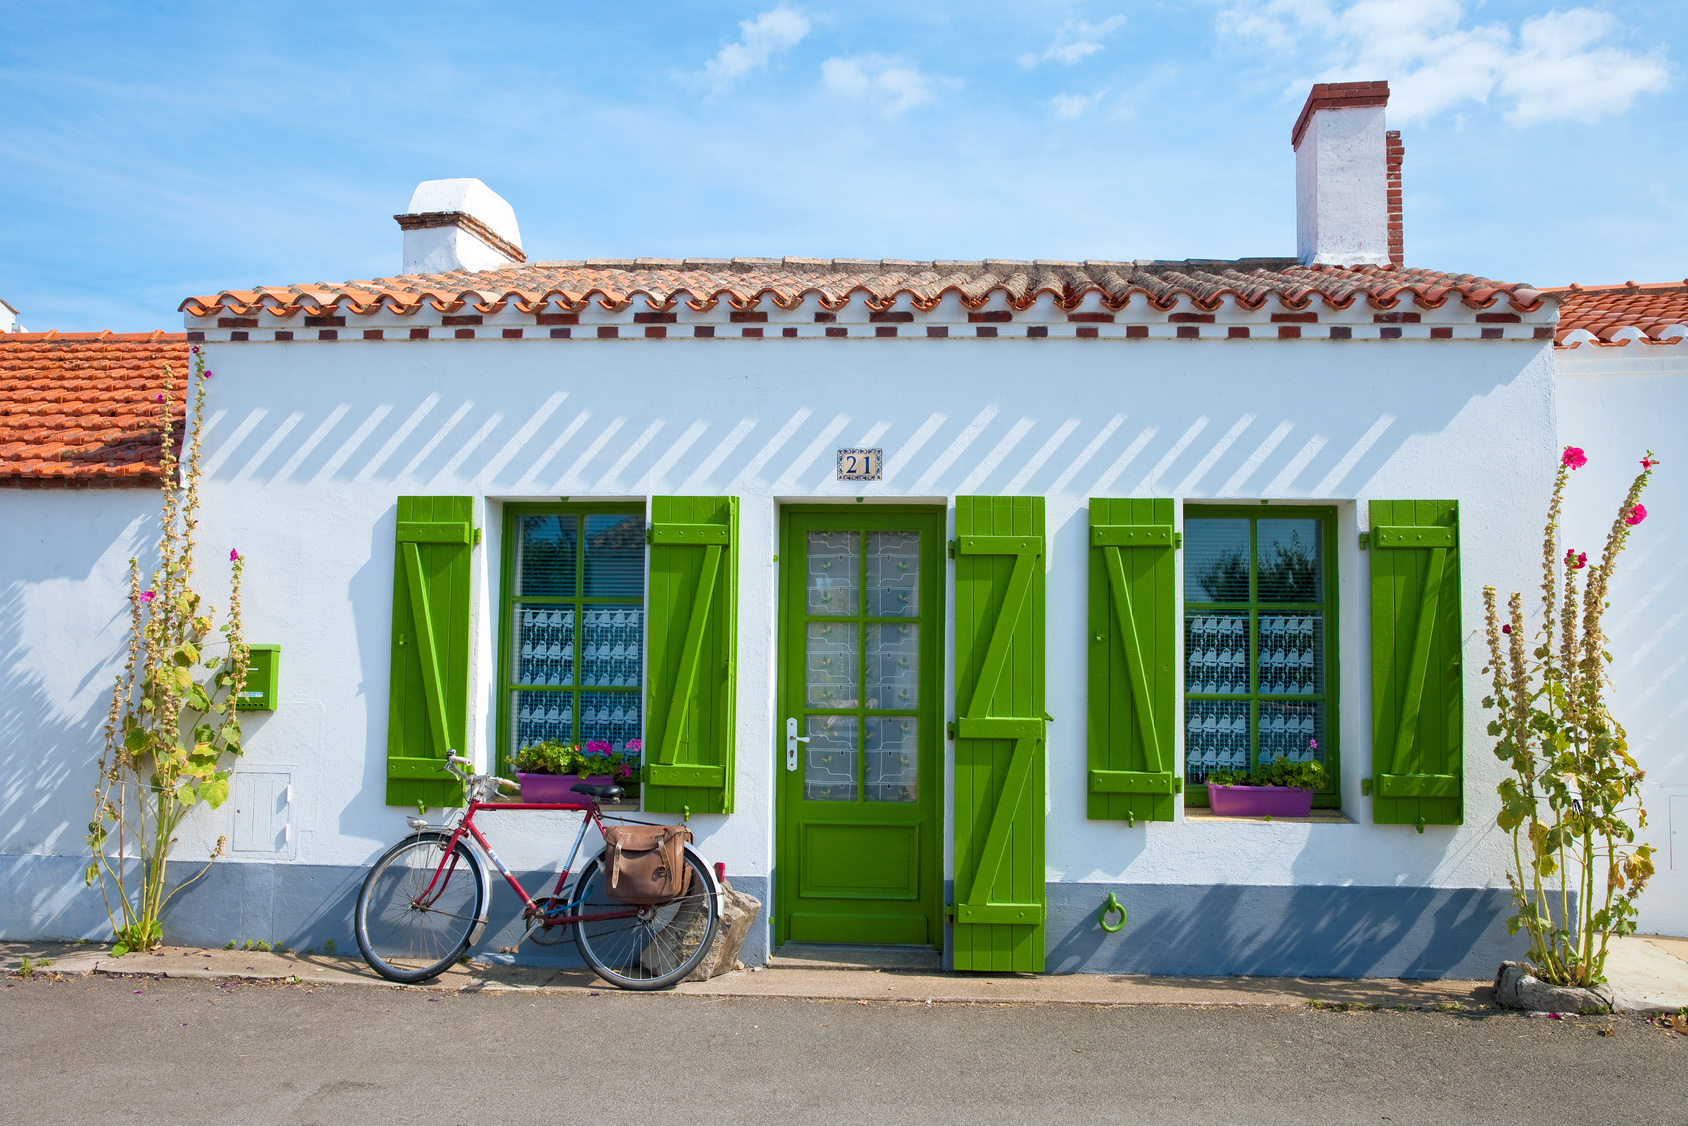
<point x="418" y="907"/>
<point x="645" y="947"/>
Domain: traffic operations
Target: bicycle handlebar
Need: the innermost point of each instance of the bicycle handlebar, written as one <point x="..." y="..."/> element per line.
<point x="461" y="767"/>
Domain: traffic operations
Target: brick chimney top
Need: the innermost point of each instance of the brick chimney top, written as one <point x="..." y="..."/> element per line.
<point x="1337" y="95"/>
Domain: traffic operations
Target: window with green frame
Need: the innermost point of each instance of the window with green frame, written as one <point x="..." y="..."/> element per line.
<point x="1260" y="634"/>
<point x="572" y="655"/>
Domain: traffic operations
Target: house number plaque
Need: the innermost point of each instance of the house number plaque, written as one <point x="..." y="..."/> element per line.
<point x="859" y="464"/>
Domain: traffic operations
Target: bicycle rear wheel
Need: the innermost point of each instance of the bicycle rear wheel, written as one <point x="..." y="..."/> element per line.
<point x="648" y="947"/>
<point x="411" y="926"/>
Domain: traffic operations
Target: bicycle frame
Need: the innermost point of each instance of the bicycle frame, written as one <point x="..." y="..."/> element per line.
<point x="530" y="909"/>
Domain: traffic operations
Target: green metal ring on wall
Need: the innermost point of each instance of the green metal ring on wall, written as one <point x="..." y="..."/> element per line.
<point x="1110" y="905"/>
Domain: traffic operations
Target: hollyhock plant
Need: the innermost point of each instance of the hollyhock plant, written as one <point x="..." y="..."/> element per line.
<point x="234" y="554"/>
<point x="1571" y="785"/>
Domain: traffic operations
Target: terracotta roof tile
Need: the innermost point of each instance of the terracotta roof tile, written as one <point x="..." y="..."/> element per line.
<point x="703" y="283"/>
<point x="1606" y="309"/>
<point x="82" y="408"/>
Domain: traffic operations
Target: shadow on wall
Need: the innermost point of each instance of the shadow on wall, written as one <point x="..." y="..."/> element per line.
<point x="1309" y="931"/>
<point x="1291" y="437"/>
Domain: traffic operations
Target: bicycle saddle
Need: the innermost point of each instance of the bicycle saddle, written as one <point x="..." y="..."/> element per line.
<point x="612" y="792"/>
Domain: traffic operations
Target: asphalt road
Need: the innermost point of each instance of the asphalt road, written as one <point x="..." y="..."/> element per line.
<point x="99" y="1050"/>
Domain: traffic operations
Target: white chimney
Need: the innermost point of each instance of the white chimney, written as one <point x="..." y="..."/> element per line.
<point x="1347" y="177"/>
<point x="9" y="318"/>
<point x="458" y="225"/>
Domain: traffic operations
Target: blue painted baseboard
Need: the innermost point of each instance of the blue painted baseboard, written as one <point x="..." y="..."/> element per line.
<point x="300" y="906"/>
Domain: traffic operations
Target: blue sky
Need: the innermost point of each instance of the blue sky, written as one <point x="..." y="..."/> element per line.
<point x="151" y="151"/>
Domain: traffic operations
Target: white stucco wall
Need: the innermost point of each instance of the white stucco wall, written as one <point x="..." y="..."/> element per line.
<point x="1616" y="403"/>
<point x="308" y="444"/>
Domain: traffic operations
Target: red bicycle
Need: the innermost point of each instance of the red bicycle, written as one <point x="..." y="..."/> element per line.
<point x="425" y="902"/>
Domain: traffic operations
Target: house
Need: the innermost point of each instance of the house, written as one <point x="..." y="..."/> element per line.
<point x="930" y="591"/>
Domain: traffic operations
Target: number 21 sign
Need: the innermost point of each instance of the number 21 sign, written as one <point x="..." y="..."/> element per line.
<point x="859" y="464"/>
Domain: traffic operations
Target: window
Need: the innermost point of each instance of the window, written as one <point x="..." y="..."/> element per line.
<point x="1259" y="641"/>
<point x="573" y="636"/>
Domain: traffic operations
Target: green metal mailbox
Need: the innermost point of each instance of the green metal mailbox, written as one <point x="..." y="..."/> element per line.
<point x="263" y="679"/>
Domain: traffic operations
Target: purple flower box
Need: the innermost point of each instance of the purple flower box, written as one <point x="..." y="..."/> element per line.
<point x="552" y="788"/>
<point x="1260" y="801"/>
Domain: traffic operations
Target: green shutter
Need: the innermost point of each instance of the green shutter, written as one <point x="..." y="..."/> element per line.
<point x="428" y="697"/>
<point x="1133" y="690"/>
<point x="691" y="646"/>
<point x="999" y="873"/>
<point x="1417" y="687"/>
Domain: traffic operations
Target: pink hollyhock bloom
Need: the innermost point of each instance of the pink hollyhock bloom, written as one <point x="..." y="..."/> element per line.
<point x="194" y="350"/>
<point x="1636" y="515"/>
<point x="206" y="375"/>
<point x="1506" y="628"/>
<point x="233" y="555"/>
<point x="160" y="398"/>
<point x="1574" y="457"/>
<point x="1649" y="462"/>
<point x="148" y="596"/>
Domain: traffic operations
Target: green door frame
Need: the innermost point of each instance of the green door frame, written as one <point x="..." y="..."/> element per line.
<point x="931" y="521"/>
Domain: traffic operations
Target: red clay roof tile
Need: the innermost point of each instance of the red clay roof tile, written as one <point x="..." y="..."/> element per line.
<point x="1603" y="310"/>
<point x="82" y="409"/>
<point x="742" y="282"/>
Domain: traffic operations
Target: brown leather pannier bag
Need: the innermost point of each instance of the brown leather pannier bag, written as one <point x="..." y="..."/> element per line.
<point x="646" y="863"/>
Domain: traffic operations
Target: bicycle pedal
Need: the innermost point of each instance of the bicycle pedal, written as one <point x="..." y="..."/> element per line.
<point x="508" y="949"/>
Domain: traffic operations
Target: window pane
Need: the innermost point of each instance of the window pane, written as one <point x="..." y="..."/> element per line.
<point x="1215" y="737"/>
<point x="1292" y="650"/>
<point x="829" y="760"/>
<point x="1215" y="560"/>
<point x="612" y="646"/>
<point x="834" y="559"/>
<point x="543" y="644"/>
<point x="1216" y="651"/>
<point x="541" y="717"/>
<point x="832" y="657"/>
<point x="615" y="556"/>
<point x="545" y="551"/>
<point x="1291" y="567"/>
<point x="893" y="665"/>
<point x="893" y="759"/>
<point x="609" y="717"/>
<point x="893" y="574"/>
<point x="1291" y="730"/>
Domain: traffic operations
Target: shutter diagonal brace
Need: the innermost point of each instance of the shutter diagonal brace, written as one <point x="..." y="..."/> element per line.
<point x="1020" y="763"/>
<point x="422" y="620"/>
<point x="1156" y="762"/>
<point x="691" y="655"/>
<point x="1406" y="735"/>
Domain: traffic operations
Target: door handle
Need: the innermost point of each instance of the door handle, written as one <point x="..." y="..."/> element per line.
<point x="791" y="741"/>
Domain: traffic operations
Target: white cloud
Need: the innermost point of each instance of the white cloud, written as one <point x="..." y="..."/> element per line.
<point x="1075" y="40"/>
<point x="760" y="38"/>
<point x="1562" y="66"/>
<point x="1071" y="107"/>
<point x="890" y="84"/>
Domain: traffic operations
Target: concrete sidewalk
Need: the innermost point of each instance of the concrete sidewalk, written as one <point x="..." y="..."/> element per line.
<point x="1647" y="975"/>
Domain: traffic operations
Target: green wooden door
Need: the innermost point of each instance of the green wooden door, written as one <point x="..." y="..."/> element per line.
<point x="1418" y="712"/>
<point x="428" y="693"/>
<point x="860" y="732"/>
<point x="999" y="783"/>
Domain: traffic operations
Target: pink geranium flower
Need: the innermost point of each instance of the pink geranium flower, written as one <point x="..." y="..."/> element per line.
<point x="1574" y="457"/>
<point x="1636" y="515"/>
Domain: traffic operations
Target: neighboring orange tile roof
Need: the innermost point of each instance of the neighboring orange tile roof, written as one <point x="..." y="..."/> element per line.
<point x="1604" y="309"/>
<point x="81" y="408"/>
<point x="702" y="283"/>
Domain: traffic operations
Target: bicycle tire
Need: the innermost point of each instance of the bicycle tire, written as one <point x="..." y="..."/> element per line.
<point x="407" y="943"/>
<point x="658" y="947"/>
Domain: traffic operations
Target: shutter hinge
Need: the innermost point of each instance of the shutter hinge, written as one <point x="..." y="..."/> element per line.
<point x="650" y="533"/>
<point x="1365" y="786"/>
<point x="1177" y="539"/>
<point x="949" y="731"/>
<point x="1365" y="540"/>
<point x="477" y="535"/>
<point x="952" y="549"/>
